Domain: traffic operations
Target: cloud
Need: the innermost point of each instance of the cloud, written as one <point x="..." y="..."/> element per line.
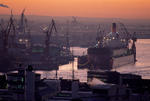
<point x="2" y="5"/>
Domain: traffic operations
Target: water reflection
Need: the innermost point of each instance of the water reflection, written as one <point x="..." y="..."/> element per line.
<point x="66" y="72"/>
<point x="142" y="66"/>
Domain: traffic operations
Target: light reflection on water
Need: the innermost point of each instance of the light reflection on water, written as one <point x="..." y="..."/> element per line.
<point x="66" y="72"/>
<point x="142" y="66"/>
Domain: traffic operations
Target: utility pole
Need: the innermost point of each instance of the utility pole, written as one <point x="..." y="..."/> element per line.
<point x="72" y="67"/>
<point x="67" y="40"/>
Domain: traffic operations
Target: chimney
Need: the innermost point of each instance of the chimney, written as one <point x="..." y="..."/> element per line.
<point x="113" y="27"/>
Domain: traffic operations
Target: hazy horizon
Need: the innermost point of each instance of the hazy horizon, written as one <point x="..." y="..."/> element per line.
<point x="76" y="17"/>
<point x="124" y="9"/>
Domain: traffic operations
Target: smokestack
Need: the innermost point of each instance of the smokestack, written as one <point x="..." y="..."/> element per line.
<point x="113" y="27"/>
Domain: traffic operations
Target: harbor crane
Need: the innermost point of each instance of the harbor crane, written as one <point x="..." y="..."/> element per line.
<point x="74" y="20"/>
<point x="128" y="38"/>
<point x="5" y="33"/>
<point x="23" y="31"/>
<point x="48" y="32"/>
<point x="124" y="31"/>
<point x="22" y="22"/>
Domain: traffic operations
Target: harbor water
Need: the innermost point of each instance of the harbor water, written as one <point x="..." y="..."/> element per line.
<point x="141" y="67"/>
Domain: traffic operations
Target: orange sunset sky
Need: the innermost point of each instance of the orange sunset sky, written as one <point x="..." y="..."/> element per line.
<point x="139" y="9"/>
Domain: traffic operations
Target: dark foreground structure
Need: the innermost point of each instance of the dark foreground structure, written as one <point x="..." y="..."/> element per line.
<point x="25" y="85"/>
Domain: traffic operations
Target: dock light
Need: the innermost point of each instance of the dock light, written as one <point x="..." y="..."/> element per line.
<point x="26" y="40"/>
<point x="124" y="40"/>
<point x="20" y="40"/>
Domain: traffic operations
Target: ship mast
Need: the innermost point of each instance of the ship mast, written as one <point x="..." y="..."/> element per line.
<point x="100" y="35"/>
<point x="134" y="39"/>
<point x="67" y="40"/>
<point x="73" y="76"/>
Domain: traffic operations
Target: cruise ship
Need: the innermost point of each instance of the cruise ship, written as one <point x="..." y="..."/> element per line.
<point x="113" y="50"/>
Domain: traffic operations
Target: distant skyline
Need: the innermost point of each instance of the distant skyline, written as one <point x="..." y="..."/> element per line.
<point x="129" y="9"/>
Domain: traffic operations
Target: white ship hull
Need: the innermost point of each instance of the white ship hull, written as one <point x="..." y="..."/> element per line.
<point x="124" y="60"/>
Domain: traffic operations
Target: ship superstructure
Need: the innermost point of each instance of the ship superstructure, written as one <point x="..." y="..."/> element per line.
<point x="111" y="51"/>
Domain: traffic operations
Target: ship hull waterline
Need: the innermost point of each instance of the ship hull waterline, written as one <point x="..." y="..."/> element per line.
<point x="85" y="63"/>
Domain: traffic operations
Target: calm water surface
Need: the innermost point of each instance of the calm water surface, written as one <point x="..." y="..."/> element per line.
<point x="142" y="66"/>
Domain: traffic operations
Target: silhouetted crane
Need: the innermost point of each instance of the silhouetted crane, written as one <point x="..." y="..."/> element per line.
<point x="5" y="32"/>
<point x="22" y="22"/>
<point x="124" y="31"/>
<point x="23" y="31"/>
<point x="48" y="36"/>
<point x="74" y="20"/>
<point x="100" y="36"/>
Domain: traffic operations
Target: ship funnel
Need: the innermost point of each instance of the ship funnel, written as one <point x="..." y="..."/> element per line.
<point x="114" y="27"/>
